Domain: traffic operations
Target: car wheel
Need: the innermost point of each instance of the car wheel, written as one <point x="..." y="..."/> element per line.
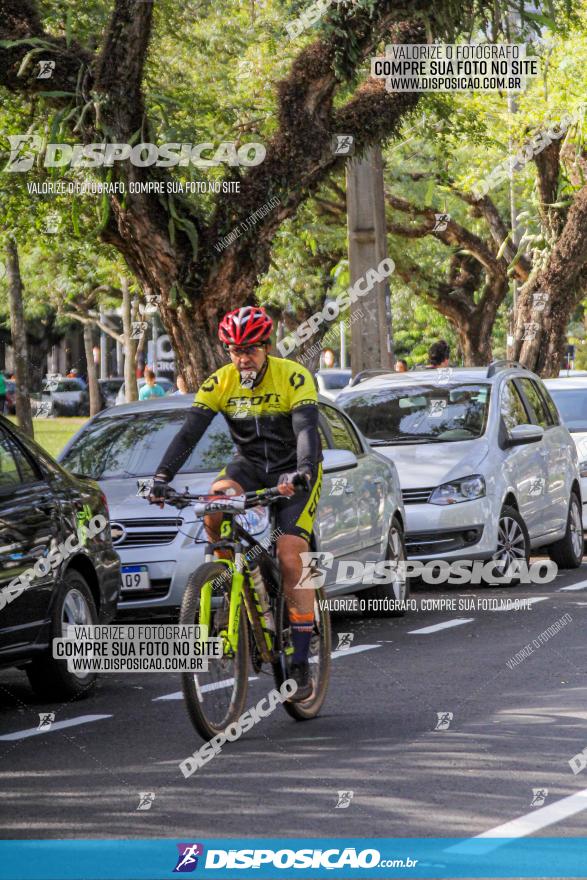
<point x="513" y="545"/>
<point x="568" y="552"/>
<point x="398" y="590"/>
<point x="48" y="677"/>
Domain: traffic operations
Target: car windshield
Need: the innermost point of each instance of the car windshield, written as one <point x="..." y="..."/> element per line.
<point x="133" y="445"/>
<point x="335" y="380"/>
<point x="572" y="405"/>
<point x="62" y="385"/>
<point x="110" y="386"/>
<point x="420" y="413"/>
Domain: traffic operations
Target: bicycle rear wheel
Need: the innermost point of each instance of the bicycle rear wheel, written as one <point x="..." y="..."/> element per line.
<point x="319" y="657"/>
<point x="216" y="698"/>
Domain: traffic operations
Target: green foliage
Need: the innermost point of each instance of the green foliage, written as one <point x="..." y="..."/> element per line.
<point x="211" y="76"/>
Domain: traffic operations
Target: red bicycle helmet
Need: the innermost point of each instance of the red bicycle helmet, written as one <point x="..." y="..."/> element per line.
<point x="248" y="325"/>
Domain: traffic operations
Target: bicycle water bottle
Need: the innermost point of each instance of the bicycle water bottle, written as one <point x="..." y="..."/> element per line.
<point x="262" y="596"/>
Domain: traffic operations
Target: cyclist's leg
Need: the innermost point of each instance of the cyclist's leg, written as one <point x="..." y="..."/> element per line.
<point x="295" y="518"/>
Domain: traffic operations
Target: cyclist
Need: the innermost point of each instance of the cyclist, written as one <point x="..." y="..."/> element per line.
<point x="271" y="407"/>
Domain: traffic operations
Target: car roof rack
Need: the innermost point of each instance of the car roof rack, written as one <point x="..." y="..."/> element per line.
<point x="368" y="374"/>
<point x="495" y="366"/>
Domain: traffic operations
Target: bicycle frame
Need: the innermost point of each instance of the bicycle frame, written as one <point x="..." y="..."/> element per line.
<point x="241" y="588"/>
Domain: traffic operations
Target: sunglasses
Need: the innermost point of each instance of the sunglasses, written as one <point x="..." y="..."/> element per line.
<point x="244" y="350"/>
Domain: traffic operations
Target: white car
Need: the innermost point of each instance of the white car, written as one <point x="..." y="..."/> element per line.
<point x="487" y="469"/>
<point x="332" y="381"/>
<point x="570" y="396"/>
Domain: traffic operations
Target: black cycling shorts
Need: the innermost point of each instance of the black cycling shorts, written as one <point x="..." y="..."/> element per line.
<point x="295" y="515"/>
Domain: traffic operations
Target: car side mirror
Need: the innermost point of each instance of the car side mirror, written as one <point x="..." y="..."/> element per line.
<point x="338" y="459"/>
<point x="521" y="434"/>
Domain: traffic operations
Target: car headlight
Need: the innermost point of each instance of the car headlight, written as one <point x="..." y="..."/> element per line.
<point x="457" y="491"/>
<point x="255" y="521"/>
<point x="583" y="468"/>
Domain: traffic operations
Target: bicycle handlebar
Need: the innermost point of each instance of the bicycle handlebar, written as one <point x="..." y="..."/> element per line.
<point x="226" y="503"/>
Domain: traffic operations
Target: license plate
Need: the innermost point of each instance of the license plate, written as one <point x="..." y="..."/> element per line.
<point x="135" y="577"/>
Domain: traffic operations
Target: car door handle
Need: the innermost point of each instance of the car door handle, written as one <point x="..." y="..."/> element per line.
<point x="378" y="481"/>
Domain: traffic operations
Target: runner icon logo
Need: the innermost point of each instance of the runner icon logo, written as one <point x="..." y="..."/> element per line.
<point x="187" y="860"/>
<point x="343" y="144"/>
<point x="539" y="795"/>
<point x="344" y="800"/>
<point x="338" y="485"/>
<point x="344" y="641"/>
<point x="46" y="719"/>
<point x="444" y="719"/>
<point x="146" y="799"/>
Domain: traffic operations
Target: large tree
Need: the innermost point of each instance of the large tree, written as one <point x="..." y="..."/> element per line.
<point x="171" y="242"/>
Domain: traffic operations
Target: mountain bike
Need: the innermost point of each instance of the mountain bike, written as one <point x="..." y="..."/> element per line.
<point x="215" y="596"/>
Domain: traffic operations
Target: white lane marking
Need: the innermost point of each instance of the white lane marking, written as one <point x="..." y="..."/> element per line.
<point x="438" y="626"/>
<point x="582" y="585"/>
<point x="213" y="686"/>
<point x="55" y="725"/>
<point x="510" y="604"/>
<point x="525" y="825"/>
<point x="355" y="649"/>
<point x="178" y="695"/>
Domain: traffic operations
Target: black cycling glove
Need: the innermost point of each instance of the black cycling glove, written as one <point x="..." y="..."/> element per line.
<point x="301" y="478"/>
<point x="158" y="491"/>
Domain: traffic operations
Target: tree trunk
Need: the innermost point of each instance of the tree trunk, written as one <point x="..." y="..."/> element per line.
<point x="541" y="326"/>
<point x="130" y="379"/>
<point x="474" y="342"/>
<point x="194" y="338"/>
<point x="19" y="339"/>
<point x="93" y="387"/>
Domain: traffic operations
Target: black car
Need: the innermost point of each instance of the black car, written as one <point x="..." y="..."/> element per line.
<point x="57" y="564"/>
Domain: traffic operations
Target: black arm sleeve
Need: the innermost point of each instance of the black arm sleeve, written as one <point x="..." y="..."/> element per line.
<point x="304" y="421"/>
<point x="196" y="422"/>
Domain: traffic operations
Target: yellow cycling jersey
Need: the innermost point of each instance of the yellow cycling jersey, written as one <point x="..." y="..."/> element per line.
<point x="260" y="419"/>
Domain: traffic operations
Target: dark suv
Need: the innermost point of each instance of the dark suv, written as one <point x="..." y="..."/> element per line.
<point x="57" y="564"/>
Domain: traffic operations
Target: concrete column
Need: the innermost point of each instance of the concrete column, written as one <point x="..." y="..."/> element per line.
<point x="371" y="341"/>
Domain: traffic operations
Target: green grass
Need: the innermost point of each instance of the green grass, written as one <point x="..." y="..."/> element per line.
<point x="53" y="434"/>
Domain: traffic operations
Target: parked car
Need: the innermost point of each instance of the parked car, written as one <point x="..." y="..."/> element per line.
<point x="570" y="396"/>
<point x="109" y="388"/>
<point x="166" y="385"/>
<point x="41" y="506"/>
<point x="332" y="381"/>
<point x="360" y="515"/>
<point x="488" y="470"/>
<point x="61" y="397"/>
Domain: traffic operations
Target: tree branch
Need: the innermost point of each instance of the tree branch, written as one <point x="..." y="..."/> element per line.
<point x="486" y="208"/>
<point x="94" y="322"/>
<point x="454" y="235"/>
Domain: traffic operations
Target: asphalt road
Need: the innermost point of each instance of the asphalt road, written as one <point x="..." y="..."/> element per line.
<point x="513" y="729"/>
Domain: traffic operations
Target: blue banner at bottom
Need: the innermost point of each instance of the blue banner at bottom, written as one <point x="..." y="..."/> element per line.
<point x="273" y="858"/>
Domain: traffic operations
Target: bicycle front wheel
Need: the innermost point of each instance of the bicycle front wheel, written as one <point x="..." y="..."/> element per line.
<point x="215" y="699"/>
<point x="319" y="657"/>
